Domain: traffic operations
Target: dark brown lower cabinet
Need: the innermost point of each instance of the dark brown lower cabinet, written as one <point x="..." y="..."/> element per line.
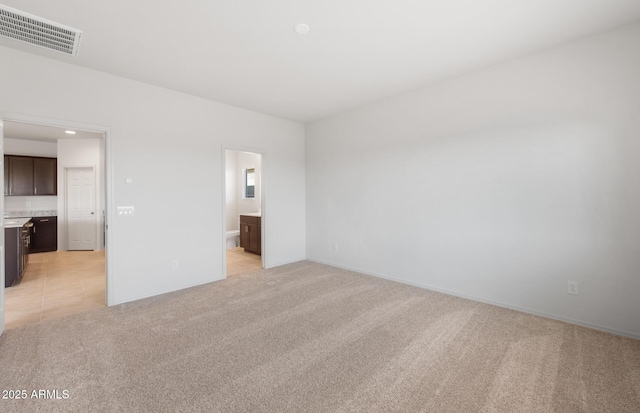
<point x="44" y="234"/>
<point x="250" y="234"/>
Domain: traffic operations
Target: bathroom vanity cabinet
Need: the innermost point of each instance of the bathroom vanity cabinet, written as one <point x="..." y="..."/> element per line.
<point x="250" y="233"/>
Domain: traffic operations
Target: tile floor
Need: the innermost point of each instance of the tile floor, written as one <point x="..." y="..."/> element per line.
<point x="239" y="262"/>
<point x="62" y="283"/>
<point x="56" y="284"/>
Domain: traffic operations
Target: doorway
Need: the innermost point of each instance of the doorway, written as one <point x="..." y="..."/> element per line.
<point x="70" y="276"/>
<point x="244" y="218"/>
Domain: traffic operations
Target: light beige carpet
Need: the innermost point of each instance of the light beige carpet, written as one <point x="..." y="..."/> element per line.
<point x="311" y="338"/>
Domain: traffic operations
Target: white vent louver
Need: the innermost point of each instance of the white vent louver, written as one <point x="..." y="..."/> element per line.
<point x="18" y="25"/>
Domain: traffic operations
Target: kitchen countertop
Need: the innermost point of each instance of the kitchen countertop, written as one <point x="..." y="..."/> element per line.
<point x="15" y="222"/>
<point x="31" y="214"/>
<point x="253" y="214"/>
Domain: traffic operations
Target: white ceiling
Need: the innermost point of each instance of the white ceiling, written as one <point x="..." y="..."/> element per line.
<point x="17" y="130"/>
<point x="246" y="53"/>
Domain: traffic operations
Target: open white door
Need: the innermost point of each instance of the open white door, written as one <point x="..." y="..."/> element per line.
<point x="81" y="208"/>
<point x="2" y="237"/>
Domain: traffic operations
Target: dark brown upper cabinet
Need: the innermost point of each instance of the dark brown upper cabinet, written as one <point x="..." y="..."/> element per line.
<point x="6" y="175"/>
<point x="20" y="175"/>
<point x="27" y="175"/>
<point x="45" y="176"/>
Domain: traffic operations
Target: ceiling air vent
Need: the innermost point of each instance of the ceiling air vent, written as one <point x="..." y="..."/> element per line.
<point x="18" y="25"/>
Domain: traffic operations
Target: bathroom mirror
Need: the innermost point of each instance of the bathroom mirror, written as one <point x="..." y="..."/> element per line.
<point x="250" y="183"/>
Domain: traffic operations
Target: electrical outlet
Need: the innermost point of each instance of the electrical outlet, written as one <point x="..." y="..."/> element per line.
<point x="572" y="287"/>
<point x="174" y="264"/>
<point x="28" y="204"/>
<point x="335" y="246"/>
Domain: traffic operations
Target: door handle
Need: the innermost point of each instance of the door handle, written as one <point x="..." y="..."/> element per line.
<point x="92" y="212"/>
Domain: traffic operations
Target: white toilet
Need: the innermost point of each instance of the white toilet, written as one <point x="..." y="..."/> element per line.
<point x="233" y="239"/>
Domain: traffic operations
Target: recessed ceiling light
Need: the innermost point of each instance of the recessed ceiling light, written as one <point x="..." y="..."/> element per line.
<point x="302" y="28"/>
<point x="70" y="132"/>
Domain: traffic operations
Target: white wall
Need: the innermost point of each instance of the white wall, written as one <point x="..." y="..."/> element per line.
<point x="30" y="148"/>
<point x="499" y="185"/>
<point x="248" y="205"/>
<point x="30" y="203"/>
<point x="170" y="145"/>
<point x="77" y="153"/>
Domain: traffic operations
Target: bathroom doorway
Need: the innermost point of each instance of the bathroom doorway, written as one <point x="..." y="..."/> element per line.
<point x="244" y="218"/>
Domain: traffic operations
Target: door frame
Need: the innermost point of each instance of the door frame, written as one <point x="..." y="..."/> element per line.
<point x="65" y="201"/>
<point x="108" y="190"/>
<point x="263" y="200"/>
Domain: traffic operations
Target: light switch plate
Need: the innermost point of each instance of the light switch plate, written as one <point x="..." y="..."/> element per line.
<point x="125" y="210"/>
